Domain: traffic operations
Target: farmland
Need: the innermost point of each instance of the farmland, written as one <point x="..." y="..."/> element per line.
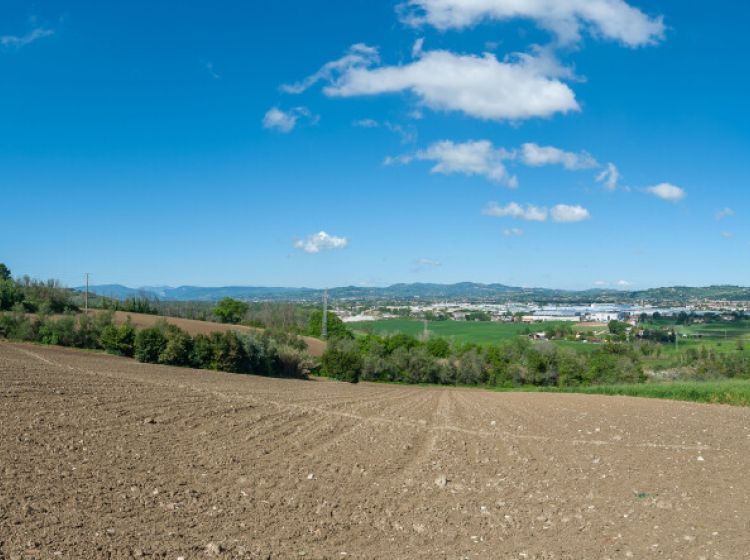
<point x="460" y="331"/>
<point x="157" y="461"/>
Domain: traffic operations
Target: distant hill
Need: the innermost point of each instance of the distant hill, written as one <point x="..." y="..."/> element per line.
<point x="468" y="291"/>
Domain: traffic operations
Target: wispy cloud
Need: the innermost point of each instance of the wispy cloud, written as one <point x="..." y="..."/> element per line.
<point x="423" y="264"/>
<point x="667" y="191"/>
<point x="209" y="67"/>
<point x="407" y="133"/>
<point x="321" y="241"/>
<point x="611" y="19"/>
<point x="285" y="121"/>
<point x="561" y="213"/>
<point x="610" y="177"/>
<point x="727" y="234"/>
<point x="535" y="155"/>
<point x="513" y="232"/>
<point x="724" y="213"/>
<point x="18" y="41"/>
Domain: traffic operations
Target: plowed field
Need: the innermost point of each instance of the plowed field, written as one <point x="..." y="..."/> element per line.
<point x="103" y="457"/>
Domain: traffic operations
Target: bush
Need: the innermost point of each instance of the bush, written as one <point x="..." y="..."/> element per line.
<point x="228" y="353"/>
<point x="342" y="360"/>
<point x="149" y="344"/>
<point x="119" y="341"/>
<point x="61" y="332"/>
<point x="177" y="351"/>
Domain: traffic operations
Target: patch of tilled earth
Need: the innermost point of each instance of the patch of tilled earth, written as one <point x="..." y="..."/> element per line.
<point x="102" y="457"/>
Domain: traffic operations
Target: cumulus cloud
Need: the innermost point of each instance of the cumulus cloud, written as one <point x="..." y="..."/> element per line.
<point x="285" y="121"/>
<point x="530" y="213"/>
<point x="513" y="232"/>
<point x="321" y="241"/>
<point x="18" y="41"/>
<point x="468" y="158"/>
<point x="724" y="213"/>
<point x="564" y="213"/>
<point x="610" y="19"/>
<point x="521" y="87"/>
<point x="623" y="283"/>
<point x="667" y="191"/>
<point x="537" y="156"/>
<point x="610" y="177"/>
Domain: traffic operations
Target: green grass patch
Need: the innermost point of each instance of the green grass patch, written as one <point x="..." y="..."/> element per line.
<point x="477" y="332"/>
<point x="734" y="392"/>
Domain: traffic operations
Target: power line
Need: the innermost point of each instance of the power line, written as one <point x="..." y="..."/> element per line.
<point x="86" y="297"/>
<point x="324" y="326"/>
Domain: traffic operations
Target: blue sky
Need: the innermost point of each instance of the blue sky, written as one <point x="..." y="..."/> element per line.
<point x="345" y="142"/>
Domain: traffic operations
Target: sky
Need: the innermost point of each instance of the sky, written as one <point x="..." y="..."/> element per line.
<point x="547" y="143"/>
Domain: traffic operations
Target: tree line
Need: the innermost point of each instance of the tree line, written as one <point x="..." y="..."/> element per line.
<point x="271" y="353"/>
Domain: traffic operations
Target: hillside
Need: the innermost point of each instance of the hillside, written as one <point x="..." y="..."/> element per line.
<point x="471" y="291"/>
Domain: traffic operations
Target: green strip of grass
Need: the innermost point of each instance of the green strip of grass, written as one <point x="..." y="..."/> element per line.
<point x="733" y="392"/>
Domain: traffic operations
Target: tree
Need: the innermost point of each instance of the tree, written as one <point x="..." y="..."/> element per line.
<point x="336" y="327"/>
<point x="342" y="360"/>
<point x="4" y="272"/>
<point x="149" y="344"/>
<point x="230" y="310"/>
<point x="178" y="348"/>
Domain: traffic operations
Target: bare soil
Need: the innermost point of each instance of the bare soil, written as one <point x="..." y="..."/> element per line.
<point x="103" y="457"/>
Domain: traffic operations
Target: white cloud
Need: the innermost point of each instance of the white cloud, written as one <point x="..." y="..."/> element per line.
<point x="513" y="232"/>
<point x="209" y="66"/>
<point x="358" y="56"/>
<point x="321" y="241"/>
<point x="19" y="41"/>
<point x="610" y="177"/>
<point x="537" y="156"/>
<point x="561" y="213"/>
<point x="514" y="210"/>
<point x="407" y="133"/>
<point x="564" y="213"/>
<point x="522" y="87"/>
<point x="468" y="158"/>
<point x="601" y="283"/>
<point x="624" y="283"/>
<point x="610" y="19"/>
<point x="727" y="234"/>
<point x="667" y="191"/>
<point x="285" y="121"/>
<point x="724" y="213"/>
<point x="366" y="123"/>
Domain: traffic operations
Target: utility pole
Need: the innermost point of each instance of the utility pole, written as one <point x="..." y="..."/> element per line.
<point x="86" y="297"/>
<point x="324" y="326"/>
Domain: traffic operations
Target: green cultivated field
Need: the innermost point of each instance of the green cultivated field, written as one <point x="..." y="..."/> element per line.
<point x="478" y="332"/>
<point x="734" y="392"/>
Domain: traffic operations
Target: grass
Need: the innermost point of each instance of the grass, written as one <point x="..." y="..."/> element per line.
<point x="734" y="392"/>
<point x="478" y="332"/>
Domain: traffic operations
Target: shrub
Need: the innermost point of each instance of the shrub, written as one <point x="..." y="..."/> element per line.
<point x="228" y="353"/>
<point x="61" y="332"/>
<point x="177" y="351"/>
<point x="342" y="360"/>
<point x="149" y="344"/>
